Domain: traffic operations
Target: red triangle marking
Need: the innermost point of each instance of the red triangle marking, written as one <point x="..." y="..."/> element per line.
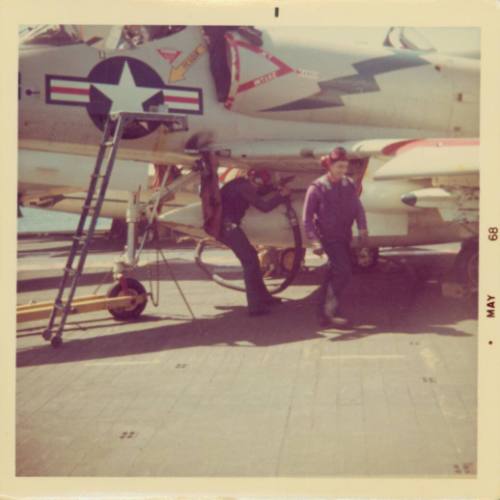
<point x="169" y="55"/>
<point x="282" y="68"/>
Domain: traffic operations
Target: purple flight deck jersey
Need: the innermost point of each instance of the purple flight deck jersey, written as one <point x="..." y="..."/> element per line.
<point x="330" y="210"/>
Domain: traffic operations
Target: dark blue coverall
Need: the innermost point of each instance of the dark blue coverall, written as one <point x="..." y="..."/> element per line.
<point x="329" y="212"/>
<point x="236" y="197"/>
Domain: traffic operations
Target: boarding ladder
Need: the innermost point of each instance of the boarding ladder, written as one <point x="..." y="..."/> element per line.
<point x="113" y="131"/>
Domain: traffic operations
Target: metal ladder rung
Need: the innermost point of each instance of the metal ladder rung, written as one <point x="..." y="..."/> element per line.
<point x="89" y="207"/>
<point x="107" y="143"/>
<point x="70" y="270"/>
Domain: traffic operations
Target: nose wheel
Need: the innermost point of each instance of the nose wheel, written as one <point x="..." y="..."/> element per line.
<point x="128" y="287"/>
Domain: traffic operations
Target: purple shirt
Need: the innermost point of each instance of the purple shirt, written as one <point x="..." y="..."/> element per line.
<point x="330" y="210"/>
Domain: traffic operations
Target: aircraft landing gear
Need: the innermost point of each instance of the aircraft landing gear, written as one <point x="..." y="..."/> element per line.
<point x="466" y="265"/>
<point x="128" y="287"/>
<point x="365" y="258"/>
<point x="287" y="257"/>
<point x="277" y="262"/>
<point x="464" y="278"/>
<point x="118" y="230"/>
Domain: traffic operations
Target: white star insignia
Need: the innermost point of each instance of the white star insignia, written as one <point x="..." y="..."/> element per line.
<point x="126" y="95"/>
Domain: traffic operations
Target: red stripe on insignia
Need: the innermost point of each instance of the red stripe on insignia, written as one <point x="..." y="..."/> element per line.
<point x="186" y="100"/>
<point x="69" y="90"/>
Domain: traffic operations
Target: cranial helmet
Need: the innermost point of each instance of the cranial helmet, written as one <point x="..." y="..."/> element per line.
<point x="337" y="154"/>
<point x="261" y="177"/>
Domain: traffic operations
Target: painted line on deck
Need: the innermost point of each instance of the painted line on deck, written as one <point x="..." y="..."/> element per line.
<point x="365" y="356"/>
<point x="123" y="363"/>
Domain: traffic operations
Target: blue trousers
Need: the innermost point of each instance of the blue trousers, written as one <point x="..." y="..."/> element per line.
<point x="338" y="272"/>
<point x="256" y="291"/>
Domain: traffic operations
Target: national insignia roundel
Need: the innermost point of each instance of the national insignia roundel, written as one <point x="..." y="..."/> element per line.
<point x="123" y="84"/>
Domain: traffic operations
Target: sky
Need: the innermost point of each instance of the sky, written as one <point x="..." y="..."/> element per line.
<point x="444" y="39"/>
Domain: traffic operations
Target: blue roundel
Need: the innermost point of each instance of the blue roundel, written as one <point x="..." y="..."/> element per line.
<point x="116" y="77"/>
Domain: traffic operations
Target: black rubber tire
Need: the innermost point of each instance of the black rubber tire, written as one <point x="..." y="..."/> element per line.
<point x="287" y="257"/>
<point x="134" y="288"/>
<point x="467" y="264"/>
<point x="367" y="263"/>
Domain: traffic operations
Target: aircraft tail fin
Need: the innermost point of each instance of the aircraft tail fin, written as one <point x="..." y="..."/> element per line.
<point x="408" y="39"/>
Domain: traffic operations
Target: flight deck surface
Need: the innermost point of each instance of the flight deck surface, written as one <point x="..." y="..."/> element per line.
<point x="231" y="395"/>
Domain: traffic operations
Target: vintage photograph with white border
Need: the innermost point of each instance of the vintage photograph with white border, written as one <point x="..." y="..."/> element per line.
<point x="365" y="361"/>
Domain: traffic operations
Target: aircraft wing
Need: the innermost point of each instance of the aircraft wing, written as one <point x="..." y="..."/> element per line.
<point x="292" y="156"/>
<point x="448" y="171"/>
<point x="441" y="174"/>
<point x="403" y="159"/>
<point x="431" y="158"/>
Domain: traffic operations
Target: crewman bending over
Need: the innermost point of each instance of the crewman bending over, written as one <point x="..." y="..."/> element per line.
<point x="236" y="197"/>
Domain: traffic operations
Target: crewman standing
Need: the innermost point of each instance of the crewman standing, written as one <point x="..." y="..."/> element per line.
<point x="330" y="208"/>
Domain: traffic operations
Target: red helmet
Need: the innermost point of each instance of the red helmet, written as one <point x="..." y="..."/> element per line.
<point x="262" y="177"/>
<point x="337" y="154"/>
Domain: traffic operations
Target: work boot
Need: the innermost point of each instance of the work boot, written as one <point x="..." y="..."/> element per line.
<point x="335" y="322"/>
<point x="340" y="322"/>
<point x="323" y="320"/>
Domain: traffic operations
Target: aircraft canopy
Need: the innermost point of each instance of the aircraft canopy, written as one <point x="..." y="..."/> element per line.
<point x="51" y="34"/>
<point x="130" y="36"/>
<point x="111" y="37"/>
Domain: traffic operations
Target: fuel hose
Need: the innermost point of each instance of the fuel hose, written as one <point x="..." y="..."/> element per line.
<point x="297" y="258"/>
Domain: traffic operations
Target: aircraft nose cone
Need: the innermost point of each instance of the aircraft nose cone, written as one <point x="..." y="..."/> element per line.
<point x="409" y="199"/>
